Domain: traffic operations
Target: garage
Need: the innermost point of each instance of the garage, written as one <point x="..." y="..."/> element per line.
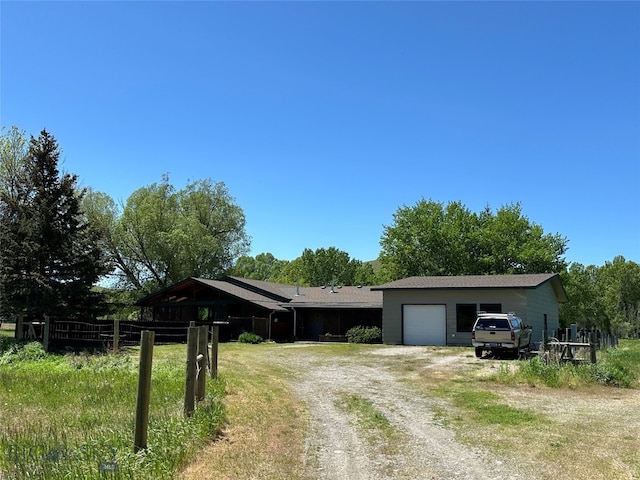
<point x="424" y="325"/>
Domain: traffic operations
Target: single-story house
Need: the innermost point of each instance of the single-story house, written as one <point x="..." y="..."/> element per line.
<point x="276" y="311"/>
<point x="441" y="310"/>
<point x="413" y="311"/>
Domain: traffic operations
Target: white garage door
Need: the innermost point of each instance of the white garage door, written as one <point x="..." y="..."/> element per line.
<point x="424" y="325"/>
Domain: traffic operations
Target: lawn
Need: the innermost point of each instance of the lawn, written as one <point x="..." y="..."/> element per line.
<point x="73" y="416"/>
<point x="8" y="329"/>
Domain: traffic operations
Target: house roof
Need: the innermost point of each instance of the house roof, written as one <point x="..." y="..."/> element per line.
<point x="268" y="295"/>
<point x="277" y="291"/>
<point x="313" y="297"/>
<point x="279" y="297"/>
<point x="182" y="293"/>
<point x="533" y="280"/>
<point x="336" y="297"/>
<point x="256" y="297"/>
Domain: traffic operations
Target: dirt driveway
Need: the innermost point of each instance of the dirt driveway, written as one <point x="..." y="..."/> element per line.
<point x="337" y="448"/>
<point x="595" y="432"/>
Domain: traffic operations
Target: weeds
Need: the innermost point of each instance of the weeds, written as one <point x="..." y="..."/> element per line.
<point x="368" y="416"/>
<point x="377" y="428"/>
<point x="615" y="367"/>
<point x="17" y="352"/>
<point x="72" y="416"/>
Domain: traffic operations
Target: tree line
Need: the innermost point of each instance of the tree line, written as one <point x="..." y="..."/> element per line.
<point x="58" y="241"/>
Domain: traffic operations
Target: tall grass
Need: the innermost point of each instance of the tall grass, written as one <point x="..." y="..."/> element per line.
<point x="73" y="416"/>
<point x="618" y="367"/>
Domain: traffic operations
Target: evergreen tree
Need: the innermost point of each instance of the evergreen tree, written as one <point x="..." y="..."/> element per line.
<point x="50" y="257"/>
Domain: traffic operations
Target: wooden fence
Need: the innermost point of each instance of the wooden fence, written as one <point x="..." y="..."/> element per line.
<point x="101" y="333"/>
<point x="603" y="340"/>
<point x="576" y="346"/>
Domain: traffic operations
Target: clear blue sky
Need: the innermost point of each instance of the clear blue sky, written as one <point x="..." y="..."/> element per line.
<point x="324" y="118"/>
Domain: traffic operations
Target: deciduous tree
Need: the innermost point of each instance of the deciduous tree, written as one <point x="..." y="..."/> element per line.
<point x="263" y="266"/>
<point x="585" y="305"/>
<point x="163" y="235"/>
<point x="605" y="297"/>
<point x="324" y="266"/>
<point x="620" y="287"/>
<point x="431" y="238"/>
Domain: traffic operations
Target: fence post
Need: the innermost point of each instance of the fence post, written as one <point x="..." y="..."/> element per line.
<point x="144" y="390"/>
<point x="116" y="335"/>
<point x="19" y="326"/>
<point x="215" y="337"/>
<point x="192" y="354"/>
<point x="45" y="333"/>
<point x="203" y="343"/>
<point x="592" y="346"/>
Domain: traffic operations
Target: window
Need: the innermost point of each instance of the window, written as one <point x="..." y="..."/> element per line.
<point x="465" y="316"/>
<point x="491" y="307"/>
<point x="492" y="324"/>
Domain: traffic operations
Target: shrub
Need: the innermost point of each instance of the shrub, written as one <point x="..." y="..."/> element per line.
<point x="610" y="373"/>
<point x="362" y="334"/>
<point x="28" y="352"/>
<point x="247" y="337"/>
<point x="6" y="343"/>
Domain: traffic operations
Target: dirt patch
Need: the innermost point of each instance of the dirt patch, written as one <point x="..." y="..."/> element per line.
<point x="337" y="449"/>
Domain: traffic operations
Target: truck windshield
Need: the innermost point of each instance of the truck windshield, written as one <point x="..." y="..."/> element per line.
<point x="492" y="324"/>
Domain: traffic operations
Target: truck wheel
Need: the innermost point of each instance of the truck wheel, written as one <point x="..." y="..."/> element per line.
<point x="478" y="352"/>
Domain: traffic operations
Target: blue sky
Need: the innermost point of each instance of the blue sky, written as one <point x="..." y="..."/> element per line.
<point x="323" y="118"/>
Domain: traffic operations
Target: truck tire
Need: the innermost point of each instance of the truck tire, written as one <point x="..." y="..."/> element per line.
<point x="478" y="352"/>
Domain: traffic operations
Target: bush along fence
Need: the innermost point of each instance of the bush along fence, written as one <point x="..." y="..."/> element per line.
<point x="571" y="345"/>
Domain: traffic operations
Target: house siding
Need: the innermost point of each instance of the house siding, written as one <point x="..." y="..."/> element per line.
<point x="512" y="300"/>
<point x="540" y="302"/>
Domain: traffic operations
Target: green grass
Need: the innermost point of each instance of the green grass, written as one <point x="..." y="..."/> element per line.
<point x="488" y="408"/>
<point x="376" y="427"/>
<point x="618" y="367"/>
<point x="368" y="417"/>
<point x="73" y="416"/>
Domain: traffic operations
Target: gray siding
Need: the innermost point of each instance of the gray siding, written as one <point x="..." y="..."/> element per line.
<point x="512" y="300"/>
<point x="541" y="301"/>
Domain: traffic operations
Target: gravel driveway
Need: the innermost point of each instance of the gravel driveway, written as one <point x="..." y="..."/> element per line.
<point x="337" y="448"/>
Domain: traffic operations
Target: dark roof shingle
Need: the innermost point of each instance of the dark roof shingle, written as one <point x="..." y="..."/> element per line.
<point x="531" y="280"/>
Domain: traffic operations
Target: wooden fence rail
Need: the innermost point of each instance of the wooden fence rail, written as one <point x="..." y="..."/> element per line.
<point x="576" y="346"/>
<point x="98" y="333"/>
<point x="603" y="340"/>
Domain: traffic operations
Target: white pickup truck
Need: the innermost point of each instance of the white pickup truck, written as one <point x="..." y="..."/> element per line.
<point x="500" y="333"/>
